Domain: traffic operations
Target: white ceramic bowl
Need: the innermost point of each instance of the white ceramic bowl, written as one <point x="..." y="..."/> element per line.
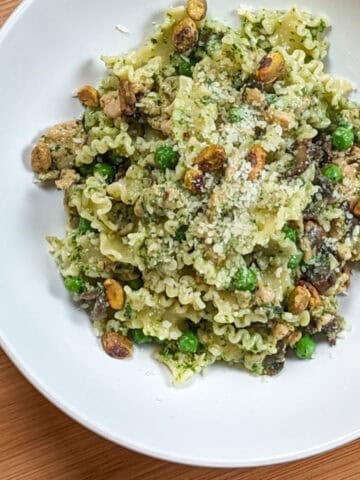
<point x="224" y="419"/>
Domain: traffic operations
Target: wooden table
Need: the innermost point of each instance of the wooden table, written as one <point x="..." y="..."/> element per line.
<point x="38" y="442"/>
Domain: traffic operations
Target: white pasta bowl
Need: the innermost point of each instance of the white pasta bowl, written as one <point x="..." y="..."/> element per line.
<point x="225" y="418"/>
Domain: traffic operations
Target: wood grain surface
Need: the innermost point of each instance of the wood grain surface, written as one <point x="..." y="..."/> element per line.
<point x="38" y="442"/>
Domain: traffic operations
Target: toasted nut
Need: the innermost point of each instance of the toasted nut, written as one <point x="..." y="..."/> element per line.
<point x="194" y="180"/>
<point x="88" y="96"/>
<point x="68" y="177"/>
<point x="114" y="293"/>
<point x="271" y="67"/>
<point x="196" y="9"/>
<point x="41" y="158"/>
<point x="127" y="98"/>
<point x="315" y="299"/>
<point x="298" y="300"/>
<point x="257" y="158"/>
<point x="356" y="208"/>
<point x="293" y="339"/>
<point x="116" y="345"/>
<point x="211" y="158"/>
<point x="185" y="35"/>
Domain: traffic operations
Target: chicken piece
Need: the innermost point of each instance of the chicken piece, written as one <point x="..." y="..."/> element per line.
<point x="110" y="103"/>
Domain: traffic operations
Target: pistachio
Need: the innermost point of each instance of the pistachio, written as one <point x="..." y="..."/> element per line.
<point x="116" y="345"/>
<point x="41" y="158"/>
<point x="315" y="299"/>
<point x="88" y="96"/>
<point x="356" y="208"/>
<point x="185" y="35"/>
<point x="196" y="9"/>
<point x="114" y="293"/>
<point x="293" y="339"/>
<point x="298" y="300"/>
<point x="257" y="158"/>
<point x="127" y="98"/>
<point x="271" y="67"/>
<point x="194" y="180"/>
<point x="211" y="158"/>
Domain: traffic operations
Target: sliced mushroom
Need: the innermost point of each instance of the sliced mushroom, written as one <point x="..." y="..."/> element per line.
<point x="41" y="158"/>
<point x="257" y="158"/>
<point x="301" y="159"/>
<point x="194" y="181"/>
<point x="127" y="98"/>
<point x="298" y="300"/>
<point x="196" y="9"/>
<point x="271" y="67"/>
<point x="273" y="364"/>
<point x="88" y="96"/>
<point x="315" y="233"/>
<point x="320" y="275"/>
<point x="114" y="293"/>
<point x="185" y="35"/>
<point x="116" y="345"/>
<point x="332" y="328"/>
<point x="211" y="158"/>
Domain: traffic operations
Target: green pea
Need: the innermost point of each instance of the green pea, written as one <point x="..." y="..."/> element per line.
<point x="342" y="138"/>
<point x="84" y="226"/>
<point x="305" y="348"/>
<point x="139" y="337"/>
<point x="333" y="173"/>
<point x="166" y="157"/>
<point x="245" y="279"/>
<point x="106" y="170"/>
<point x="290" y="233"/>
<point x="86" y="170"/>
<point x="185" y="68"/>
<point x="75" y="284"/>
<point x="180" y="234"/>
<point x="136" y="284"/>
<point x="188" y="342"/>
<point x="295" y="260"/>
<point x="236" y="114"/>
